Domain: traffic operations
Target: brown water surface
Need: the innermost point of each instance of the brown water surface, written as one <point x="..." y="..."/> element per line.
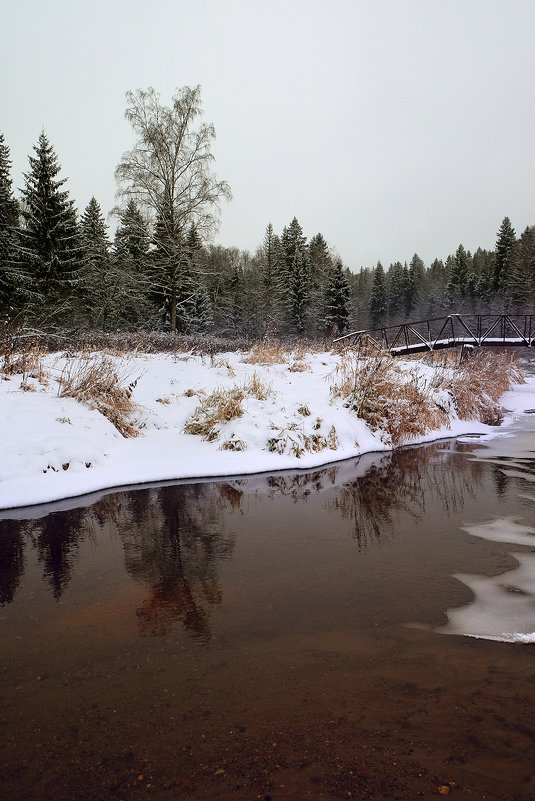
<point x="252" y="638"/>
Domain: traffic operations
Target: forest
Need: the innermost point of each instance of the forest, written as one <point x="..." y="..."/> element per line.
<point x="61" y="270"/>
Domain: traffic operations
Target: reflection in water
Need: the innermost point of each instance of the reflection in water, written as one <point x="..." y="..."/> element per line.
<point x="175" y="548"/>
<point x="405" y="482"/>
<point x="174" y="537"/>
<point x="11" y="559"/>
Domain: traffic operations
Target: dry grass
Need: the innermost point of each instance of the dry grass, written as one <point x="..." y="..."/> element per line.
<point x="480" y="381"/>
<point x="294" y="441"/>
<point x="384" y="397"/>
<point x="221" y="406"/>
<point x="233" y="444"/>
<point x="215" y="409"/>
<point x="266" y="353"/>
<point x="223" y="363"/>
<point x="257" y="388"/>
<point x="299" y="367"/>
<point x="97" y="382"/>
<point x="26" y="362"/>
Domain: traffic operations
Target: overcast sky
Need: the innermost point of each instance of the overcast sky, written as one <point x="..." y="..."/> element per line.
<point x="391" y="126"/>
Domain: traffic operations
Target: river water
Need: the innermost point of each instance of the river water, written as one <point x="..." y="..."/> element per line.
<point x="279" y="636"/>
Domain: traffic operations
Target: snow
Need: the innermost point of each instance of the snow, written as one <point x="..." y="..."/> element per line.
<point x="56" y="448"/>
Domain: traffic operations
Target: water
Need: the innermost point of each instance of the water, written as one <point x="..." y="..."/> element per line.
<point x="278" y="636"/>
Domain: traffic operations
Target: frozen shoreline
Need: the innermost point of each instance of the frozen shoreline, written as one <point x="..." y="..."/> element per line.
<point x="56" y="448"/>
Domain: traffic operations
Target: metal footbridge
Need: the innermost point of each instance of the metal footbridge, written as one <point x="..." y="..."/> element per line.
<point x="476" y="330"/>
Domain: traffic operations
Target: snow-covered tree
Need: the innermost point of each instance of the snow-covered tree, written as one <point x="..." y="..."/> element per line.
<point x="336" y="300"/>
<point x="458" y="286"/>
<point x="168" y="172"/>
<point x="50" y="235"/>
<point x="9" y="223"/>
<point x="505" y="243"/>
<point x="379" y="299"/>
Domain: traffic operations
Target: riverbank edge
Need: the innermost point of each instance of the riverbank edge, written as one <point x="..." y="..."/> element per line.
<point x="202" y="462"/>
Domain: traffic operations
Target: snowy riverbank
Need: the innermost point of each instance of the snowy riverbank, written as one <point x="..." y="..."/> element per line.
<point x="56" y="447"/>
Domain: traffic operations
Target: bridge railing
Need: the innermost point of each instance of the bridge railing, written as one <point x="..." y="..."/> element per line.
<point x="509" y="330"/>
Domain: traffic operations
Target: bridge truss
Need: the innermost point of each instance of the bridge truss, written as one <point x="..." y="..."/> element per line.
<point x="476" y="330"/>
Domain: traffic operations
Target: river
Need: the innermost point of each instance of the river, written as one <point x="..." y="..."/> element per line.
<point x="359" y="631"/>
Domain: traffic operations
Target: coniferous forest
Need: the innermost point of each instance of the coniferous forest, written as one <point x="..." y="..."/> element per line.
<point x="60" y="269"/>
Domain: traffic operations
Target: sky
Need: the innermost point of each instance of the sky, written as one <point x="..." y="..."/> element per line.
<point x="390" y="126"/>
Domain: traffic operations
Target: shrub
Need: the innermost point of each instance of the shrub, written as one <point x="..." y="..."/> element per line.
<point x="386" y="398"/>
<point x="214" y="410"/>
<point x="480" y="381"/>
<point x="97" y="382"/>
<point x="266" y="353"/>
<point x="257" y="388"/>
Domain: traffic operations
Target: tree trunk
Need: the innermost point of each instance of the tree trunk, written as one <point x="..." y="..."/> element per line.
<point x="173" y="310"/>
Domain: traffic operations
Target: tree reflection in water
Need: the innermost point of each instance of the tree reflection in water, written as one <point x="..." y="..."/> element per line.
<point x="175" y="548"/>
<point x="174" y="537"/>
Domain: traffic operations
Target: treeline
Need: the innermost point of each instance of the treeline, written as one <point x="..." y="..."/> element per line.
<point x="60" y="269"/>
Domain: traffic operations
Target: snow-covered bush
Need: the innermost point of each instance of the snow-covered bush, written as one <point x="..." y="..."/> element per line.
<point x="97" y="381"/>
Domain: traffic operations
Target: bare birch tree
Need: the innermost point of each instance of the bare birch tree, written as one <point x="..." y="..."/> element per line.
<point x="169" y="174"/>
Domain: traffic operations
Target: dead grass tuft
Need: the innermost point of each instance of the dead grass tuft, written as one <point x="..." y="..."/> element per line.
<point x="26" y="362"/>
<point x="295" y="441"/>
<point x="387" y="399"/>
<point x="257" y="388"/>
<point x="299" y="367"/>
<point x="97" y="382"/>
<point x="215" y="410"/>
<point x="480" y="381"/>
<point x="266" y="353"/>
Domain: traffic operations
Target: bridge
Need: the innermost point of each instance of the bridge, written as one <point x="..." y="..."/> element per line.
<point x="503" y="330"/>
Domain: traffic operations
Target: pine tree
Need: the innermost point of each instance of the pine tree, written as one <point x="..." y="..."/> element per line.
<point x="10" y="283"/>
<point x="132" y="236"/>
<point x="50" y="237"/>
<point x="505" y="243"/>
<point x="298" y="269"/>
<point x="273" y="281"/>
<point x="483" y="267"/>
<point x="415" y="287"/>
<point x="520" y="280"/>
<point x="166" y="264"/>
<point x="457" y="289"/>
<point x="194" y="313"/>
<point x="131" y="263"/>
<point x="336" y="300"/>
<point x="97" y="288"/>
<point x="299" y="297"/>
<point x="397" y="290"/>
<point x="379" y="299"/>
<point x="321" y="265"/>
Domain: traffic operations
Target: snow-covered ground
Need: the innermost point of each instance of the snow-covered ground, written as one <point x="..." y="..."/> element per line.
<point x="54" y="447"/>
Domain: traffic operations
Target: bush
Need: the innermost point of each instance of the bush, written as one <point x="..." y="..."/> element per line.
<point x="96" y="382"/>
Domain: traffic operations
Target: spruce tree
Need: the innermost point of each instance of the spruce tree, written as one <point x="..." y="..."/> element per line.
<point x="194" y="313"/>
<point x="336" y="300"/>
<point x="50" y="236"/>
<point x="10" y="277"/>
<point x="273" y="281"/>
<point x="132" y="236"/>
<point x="131" y="262"/>
<point x="98" y="287"/>
<point x="457" y="289"/>
<point x="321" y="265"/>
<point x="298" y="268"/>
<point x="397" y="290"/>
<point x="505" y="243"/>
<point x="379" y="299"/>
<point x="519" y="288"/>
<point x="415" y="287"/>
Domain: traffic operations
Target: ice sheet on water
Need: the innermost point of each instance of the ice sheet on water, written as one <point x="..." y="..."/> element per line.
<point x="503" y="608"/>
